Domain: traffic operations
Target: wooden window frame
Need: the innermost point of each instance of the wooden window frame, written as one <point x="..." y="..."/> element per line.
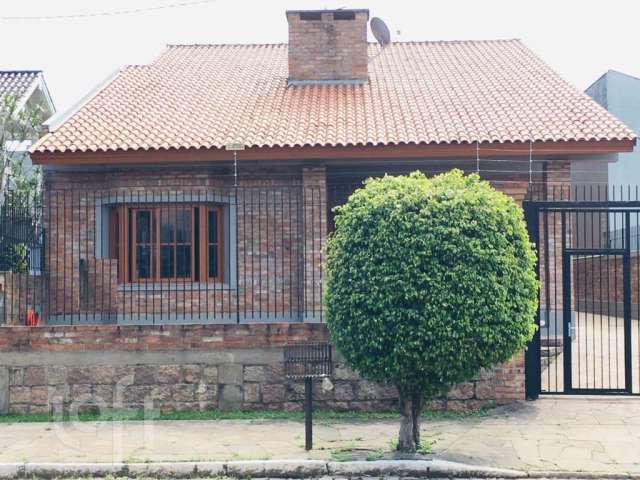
<point x="204" y="243"/>
<point x="122" y="222"/>
<point x="114" y="233"/>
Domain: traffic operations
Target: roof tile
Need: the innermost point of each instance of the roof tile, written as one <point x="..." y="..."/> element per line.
<point x="17" y="82"/>
<point x="206" y="96"/>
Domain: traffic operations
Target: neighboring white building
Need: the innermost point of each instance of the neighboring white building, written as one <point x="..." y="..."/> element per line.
<point x="31" y="89"/>
<point x="614" y="176"/>
<point x="619" y="93"/>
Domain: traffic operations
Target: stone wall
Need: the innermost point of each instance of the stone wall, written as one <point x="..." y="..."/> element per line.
<point x="196" y="367"/>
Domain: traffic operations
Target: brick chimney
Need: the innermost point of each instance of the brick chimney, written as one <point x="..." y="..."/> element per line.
<point x="327" y="46"/>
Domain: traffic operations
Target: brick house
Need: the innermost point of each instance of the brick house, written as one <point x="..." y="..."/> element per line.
<point x="187" y="203"/>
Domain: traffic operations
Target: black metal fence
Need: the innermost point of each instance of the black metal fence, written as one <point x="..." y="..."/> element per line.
<point x="589" y="315"/>
<point x="170" y="255"/>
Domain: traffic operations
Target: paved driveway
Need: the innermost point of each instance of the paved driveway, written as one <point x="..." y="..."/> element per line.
<point x="576" y="434"/>
<point x="598" y="354"/>
<point x="552" y="433"/>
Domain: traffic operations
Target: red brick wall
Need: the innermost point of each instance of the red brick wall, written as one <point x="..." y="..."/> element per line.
<point x="280" y="233"/>
<point x="157" y="337"/>
<point x="558" y="182"/>
<point x="597" y="283"/>
<point x="328" y="49"/>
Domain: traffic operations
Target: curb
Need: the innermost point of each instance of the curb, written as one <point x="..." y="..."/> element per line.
<point x="288" y="469"/>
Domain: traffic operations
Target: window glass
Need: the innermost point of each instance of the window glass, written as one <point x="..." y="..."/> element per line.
<point x="143" y="235"/>
<point x="167" y="266"/>
<point x="212" y="243"/>
<point x="167" y="224"/>
<point x="183" y="226"/>
<point x="143" y="226"/>
<point x="183" y="261"/>
<point x="143" y="260"/>
<point x="213" y="226"/>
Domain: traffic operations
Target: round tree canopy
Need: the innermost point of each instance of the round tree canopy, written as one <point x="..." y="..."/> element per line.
<point x="429" y="280"/>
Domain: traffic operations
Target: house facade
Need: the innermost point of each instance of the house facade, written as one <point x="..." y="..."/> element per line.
<point x="187" y="203"/>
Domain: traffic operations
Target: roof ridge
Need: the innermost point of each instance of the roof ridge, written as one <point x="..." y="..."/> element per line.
<point x="400" y="42"/>
<point x="182" y="45"/>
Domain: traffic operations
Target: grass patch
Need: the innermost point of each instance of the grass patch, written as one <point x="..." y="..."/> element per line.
<point x="138" y="415"/>
<point x="393" y="444"/>
<point x="343" y="454"/>
<point x="377" y="455"/>
<point x="426" y="447"/>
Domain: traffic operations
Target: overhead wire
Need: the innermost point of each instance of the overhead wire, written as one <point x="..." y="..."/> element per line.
<point x="130" y="11"/>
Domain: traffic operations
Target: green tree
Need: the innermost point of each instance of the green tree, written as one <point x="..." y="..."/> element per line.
<point x="429" y="281"/>
<point x="18" y="123"/>
<point x="19" y="189"/>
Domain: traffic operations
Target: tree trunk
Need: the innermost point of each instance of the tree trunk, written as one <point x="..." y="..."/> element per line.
<point x="410" y="408"/>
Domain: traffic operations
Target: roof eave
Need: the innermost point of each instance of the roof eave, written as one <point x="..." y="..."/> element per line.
<point x="431" y="150"/>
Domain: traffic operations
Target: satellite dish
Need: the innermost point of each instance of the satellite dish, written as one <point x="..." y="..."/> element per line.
<point x="380" y="31"/>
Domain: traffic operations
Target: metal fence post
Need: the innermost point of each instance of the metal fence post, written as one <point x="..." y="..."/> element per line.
<point x="308" y="413"/>
<point x="626" y="278"/>
<point x="532" y="354"/>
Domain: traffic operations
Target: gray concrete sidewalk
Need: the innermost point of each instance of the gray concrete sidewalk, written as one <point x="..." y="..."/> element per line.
<point x="564" y="434"/>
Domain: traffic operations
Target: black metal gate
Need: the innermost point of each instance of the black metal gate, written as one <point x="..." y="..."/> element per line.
<point x="588" y="339"/>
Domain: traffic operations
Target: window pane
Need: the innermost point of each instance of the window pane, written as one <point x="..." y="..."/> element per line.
<point x="143" y="257"/>
<point x="167" y="266"/>
<point x="213" y="261"/>
<point x="183" y="261"/>
<point x="167" y="226"/>
<point x="143" y="226"/>
<point x="183" y="226"/>
<point x="213" y="226"/>
<point x="114" y="244"/>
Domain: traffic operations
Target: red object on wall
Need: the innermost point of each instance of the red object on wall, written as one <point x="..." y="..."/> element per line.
<point x="33" y="319"/>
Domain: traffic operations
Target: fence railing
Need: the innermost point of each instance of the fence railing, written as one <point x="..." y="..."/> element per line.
<point x="246" y="254"/>
<point x="590" y="192"/>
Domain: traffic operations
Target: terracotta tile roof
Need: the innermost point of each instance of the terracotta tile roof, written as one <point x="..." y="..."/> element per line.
<point x="206" y="96"/>
<point x="17" y="82"/>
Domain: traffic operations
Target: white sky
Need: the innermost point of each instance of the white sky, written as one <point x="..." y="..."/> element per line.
<point x="581" y="39"/>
